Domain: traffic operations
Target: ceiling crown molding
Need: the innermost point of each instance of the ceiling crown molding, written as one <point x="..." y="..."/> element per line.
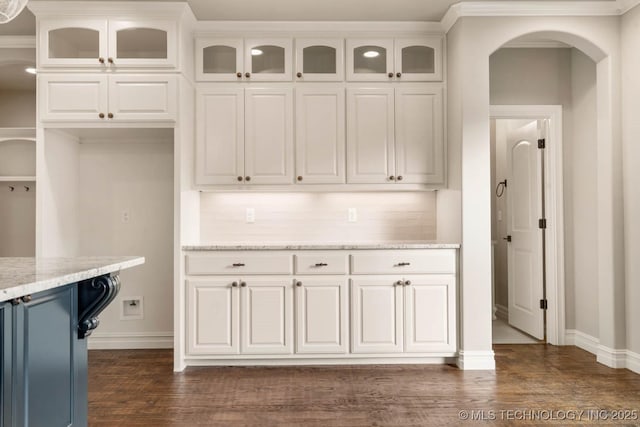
<point x="536" y="8"/>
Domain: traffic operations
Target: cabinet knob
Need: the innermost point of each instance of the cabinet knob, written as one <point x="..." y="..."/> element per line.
<point x="390" y="75"/>
<point x="27" y="298"/>
<point x="299" y="74"/>
<point x="407" y="282"/>
<point x="101" y="60"/>
<point x="398" y="75"/>
<point x="399" y="178"/>
<point x="243" y="284"/>
<point x="298" y="284"/>
<point x="234" y="284"/>
<point x="110" y="115"/>
<point x="239" y="75"/>
<point x="398" y="283"/>
<point x="392" y="178"/>
<point x="15" y="301"/>
<point x="110" y="60"/>
<point x="299" y="178"/>
<point x="247" y="75"/>
<point x="240" y="178"/>
<point x="247" y="178"/>
<point x="101" y="115"/>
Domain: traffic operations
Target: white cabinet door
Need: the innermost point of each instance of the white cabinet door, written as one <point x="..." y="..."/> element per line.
<point x="370" y="60"/>
<point x="143" y="43"/>
<point x="267" y="313"/>
<point x="269" y="135"/>
<point x="321" y="315"/>
<point x="370" y="135"/>
<point x="320" y="135"/>
<point x="220" y="136"/>
<point x="143" y="97"/>
<point x="419" y="134"/>
<point x="213" y="316"/>
<point x="219" y="59"/>
<point x="319" y="60"/>
<point x="418" y="59"/>
<point x="72" y="43"/>
<point x="376" y="316"/>
<point x="73" y="97"/>
<point x="268" y="59"/>
<point x="430" y="319"/>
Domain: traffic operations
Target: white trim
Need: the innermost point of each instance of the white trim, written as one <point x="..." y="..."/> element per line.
<point x="318" y="361"/>
<point x="581" y="340"/>
<point x="18" y="42"/>
<point x="528" y="44"/>
<point x="633" y="361"/>
<point x="476" y="360"/>
<point x="130" y="340"/>
<point x="536" y="8"/>
<point x="502" y="312"/>
<point x="554" y="210"/>
<point x="247" y="28"/>
<point x="611" y="357"/>
<point x="120" y="9"/>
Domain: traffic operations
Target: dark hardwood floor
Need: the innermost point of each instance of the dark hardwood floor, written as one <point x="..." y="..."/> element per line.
<point x="138" y="388"/>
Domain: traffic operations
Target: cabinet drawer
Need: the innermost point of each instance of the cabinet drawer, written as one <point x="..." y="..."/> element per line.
<point x="238" y="263"/>
<point x="321" y="263"/>
<point x="434" y="261"/>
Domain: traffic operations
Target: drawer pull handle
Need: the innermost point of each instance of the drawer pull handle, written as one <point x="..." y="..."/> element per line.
<point x="321" y="264"/>
<point x="238" y="264"/>
<point x="403" y="264"/>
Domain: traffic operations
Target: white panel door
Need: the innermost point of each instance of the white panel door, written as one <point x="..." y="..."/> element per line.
<point x="376" y="315"/>
<point x="370" y="60"/>
<point x="419" y="134"/>
<point x="370" y="136"/>
<point x="268" y="59"/>
<point x="320" y="135"/>
<point x="321" y="315"/>
<point x="269" y="135"/>
<point x="419" y="59"/>
<point x="73" y="97"/>
<point x="267" y="314"/>
<point x="524" y="201"/>
<point x="213" y="316"/>
<point x="430" y="316"/>
<point x="220" y="136"/>
<point x="143" y="98"/>
<point x="319" y="60"/>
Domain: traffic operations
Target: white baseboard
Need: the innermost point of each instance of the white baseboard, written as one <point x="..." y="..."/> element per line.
<point x="502" y="312"/>
<point x="610" y="357"/>
<point x="130" y="340"/>
<point x="476" y="360"/>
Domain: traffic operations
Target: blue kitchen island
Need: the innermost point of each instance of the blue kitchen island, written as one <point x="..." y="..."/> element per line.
<point x="48" y="308"/>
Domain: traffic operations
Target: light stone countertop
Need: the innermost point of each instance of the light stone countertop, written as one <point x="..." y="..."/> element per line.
<point x="24" y="276"/>
<point x="319" y="246"/>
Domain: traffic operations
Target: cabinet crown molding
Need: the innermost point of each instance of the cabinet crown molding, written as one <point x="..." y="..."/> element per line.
<point x="137" y="9"/>
<point x="304" y="28"/>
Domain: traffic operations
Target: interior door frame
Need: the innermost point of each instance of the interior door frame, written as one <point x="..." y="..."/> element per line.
<point x="554" y="210"/>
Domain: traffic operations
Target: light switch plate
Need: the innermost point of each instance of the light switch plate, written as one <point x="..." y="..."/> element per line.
<point x="250" y="216"/>
<point x="353" y="215"/>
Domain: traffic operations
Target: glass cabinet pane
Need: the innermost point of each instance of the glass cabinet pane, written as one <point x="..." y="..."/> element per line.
<point x="267" y="59"/>
<point x="219" y="60"/>
<point x="369" y="60"/>
<point x="319" y="60"/>
<point x="74" y="43"/>
<point x="141" y="43"/>
<point x="418" y="59"/>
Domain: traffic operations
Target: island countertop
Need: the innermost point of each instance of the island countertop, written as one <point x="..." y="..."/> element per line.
<point x="28" y="275"/>
<point x="286" y="246"/>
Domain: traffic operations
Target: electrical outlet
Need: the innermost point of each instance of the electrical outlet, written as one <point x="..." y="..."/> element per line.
<point x="125" y="215"/>
<point x="499" y="215"/>
<point x="353" y="215"/>
<point x="250" y="216"/>
<point x="132" y="308"/>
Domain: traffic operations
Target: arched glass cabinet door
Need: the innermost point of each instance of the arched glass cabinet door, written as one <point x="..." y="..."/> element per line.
<point x="370" y="60"/>
<point x="267" y="59"/>
<point x="319" y="60"/>
<point x="418" y="59"/>
<point x="142" y="43"/>
<point x="219" y="59"/>
<point x="73" y="42"/>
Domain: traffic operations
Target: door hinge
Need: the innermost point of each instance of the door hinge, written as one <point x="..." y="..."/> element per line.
<point x="542" y="143"/>
<point x="543" y="304"/>
<point x="542" y="223"/>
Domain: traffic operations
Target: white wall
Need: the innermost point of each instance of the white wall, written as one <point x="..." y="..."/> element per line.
<point x="318" y="217"/>
<point x="17" y="108"/>
<point x="631" y="160"/>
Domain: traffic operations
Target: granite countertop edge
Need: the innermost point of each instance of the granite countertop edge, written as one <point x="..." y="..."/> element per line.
<point x="318" y="246"/>
<point x="25" y="276"/>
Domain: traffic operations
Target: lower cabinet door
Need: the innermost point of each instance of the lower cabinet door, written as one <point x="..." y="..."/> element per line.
<point x="213" y="316"/>
<point x="321" y="315"/>
<point x="376" y="315"/>
<point x="267" y="313"/>
<point x="430" y="320"/>
<point x="5" y="363"/>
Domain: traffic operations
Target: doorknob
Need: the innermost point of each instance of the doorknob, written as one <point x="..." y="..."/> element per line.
<point x="508" y="238"/>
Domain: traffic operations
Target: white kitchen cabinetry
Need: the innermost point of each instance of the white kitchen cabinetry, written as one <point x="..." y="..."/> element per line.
<point x="101" y="98"/>
<point x="395" y="135"/>
<point x="406" y="59"/>
<point x="319" y="60"/>
<point x="107" y="43"/>
<point x="244" y="136"/>
<point x="236" y="59"/>
<point x="320" y="135"/>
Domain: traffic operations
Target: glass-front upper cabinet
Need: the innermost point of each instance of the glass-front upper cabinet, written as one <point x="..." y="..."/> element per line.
<point x="369" y="60"/>
<point x="319" y="60"/>
<point x="415" y="59"/>
<point x="103" y="43"/>
<point x="267" y="59"/>
<point x="219" y="59"/>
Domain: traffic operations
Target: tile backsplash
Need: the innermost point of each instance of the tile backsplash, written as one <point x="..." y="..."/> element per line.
<point x="318" y="217"/>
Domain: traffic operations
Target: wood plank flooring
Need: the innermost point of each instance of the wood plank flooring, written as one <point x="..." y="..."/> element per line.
<point x="138" y="388"/>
